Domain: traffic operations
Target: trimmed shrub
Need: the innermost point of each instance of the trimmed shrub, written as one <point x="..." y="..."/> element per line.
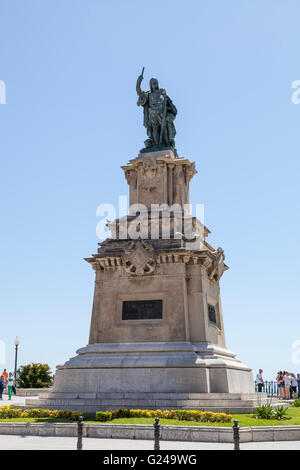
<point x="104" y="416"/>
<point x="10" y="412"/>
<point x="201" y="416"/>
<point x="65" y="414"/>
<point x="297" y="402"/>
<point x="121" y="413"/>
<point x="180" y="415"/>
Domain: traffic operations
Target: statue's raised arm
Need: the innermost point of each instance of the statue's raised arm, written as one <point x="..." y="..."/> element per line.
<point x="138" y="83"/>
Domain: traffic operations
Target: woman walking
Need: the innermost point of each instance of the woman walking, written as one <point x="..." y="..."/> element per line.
<point x="10" y="384"/>
<point x="2" y="386"/>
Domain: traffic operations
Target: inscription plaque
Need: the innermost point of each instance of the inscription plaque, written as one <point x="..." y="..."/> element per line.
<point x="142" y="310"/>
<point x="212" y="314"/>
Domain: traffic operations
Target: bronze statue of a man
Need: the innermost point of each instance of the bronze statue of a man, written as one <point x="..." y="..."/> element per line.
<point x="159" y="114"/>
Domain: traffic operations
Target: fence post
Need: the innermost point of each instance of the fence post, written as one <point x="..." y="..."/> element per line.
<point x="236" y="435"/>
<point x="79" y="432"/>
<point x="156" y="434"/>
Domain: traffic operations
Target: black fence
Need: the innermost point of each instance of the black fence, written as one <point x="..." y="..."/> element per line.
<point x="270" y="388"/>
<point x="157" y="434"/>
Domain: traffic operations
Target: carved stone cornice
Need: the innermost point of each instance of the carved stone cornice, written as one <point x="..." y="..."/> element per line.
<point x="141" y="259"/>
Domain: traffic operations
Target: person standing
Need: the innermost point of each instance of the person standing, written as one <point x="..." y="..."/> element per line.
<point x="294" y="385"/>
<point x="2" y="386"/>
<point x="5" y="376"/>
<point x="298" y="380"/>
<point x="260" y="381"/>
<point x="10" y="384"/>
<point x="287" y="383"/>
<point x="290" y="376"/>
<point x="280" y="384"/>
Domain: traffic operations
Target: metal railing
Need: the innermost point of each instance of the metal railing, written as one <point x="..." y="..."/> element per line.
<point x="157" y="434"/>
<point x="270" y="388"/>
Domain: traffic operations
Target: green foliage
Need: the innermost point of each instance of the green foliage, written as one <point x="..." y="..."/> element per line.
<point x="297" y="402"/>
<point x="34" y="375"/>
<point x="280" y="412"/>
<point x="264" y="412"/>
<point x="10" y="412"/>
<point x="103" y="416"/>
<point x="270" y="412"/>
<point x="181" y="415"/>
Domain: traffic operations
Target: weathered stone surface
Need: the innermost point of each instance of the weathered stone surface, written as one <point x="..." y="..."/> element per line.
<point x="70" y="429"/>
<point x="48" y="429"/>
<point x="168" y="433"/>
<point x="159" y="178"/>
<point x="262" y="433"/>
<point x="180" y="352"/>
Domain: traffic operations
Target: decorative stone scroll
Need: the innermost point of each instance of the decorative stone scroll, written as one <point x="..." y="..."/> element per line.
<point x="217" y="268"/>
<point x="139" y="258"/>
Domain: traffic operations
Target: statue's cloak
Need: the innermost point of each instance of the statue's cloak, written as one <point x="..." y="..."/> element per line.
<point x="143" y="100"/>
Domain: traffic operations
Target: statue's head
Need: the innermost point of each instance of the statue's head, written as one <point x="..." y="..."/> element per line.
<point x="153" y="84"/>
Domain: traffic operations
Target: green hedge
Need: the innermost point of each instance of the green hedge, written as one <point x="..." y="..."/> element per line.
<point x="10" y="412"/>
<point x="104" y="416"/>
<point x="180" y="415"/>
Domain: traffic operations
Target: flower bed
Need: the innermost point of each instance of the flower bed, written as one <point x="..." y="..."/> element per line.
<point x="10" y="412"/>
<point x="181" y="415"/>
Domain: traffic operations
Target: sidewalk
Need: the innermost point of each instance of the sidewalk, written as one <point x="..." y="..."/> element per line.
<point x="15" y="400"/>
<point x="69" y="443"/>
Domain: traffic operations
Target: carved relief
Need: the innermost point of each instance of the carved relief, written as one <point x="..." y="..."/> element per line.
<point x="217" y="268"/>
<point x="190" y="171"/>
<point x="150" y="175"/>
<point x="131" y="178"/>
<point x="159" y="180"/>
<point x="139" y="258"/>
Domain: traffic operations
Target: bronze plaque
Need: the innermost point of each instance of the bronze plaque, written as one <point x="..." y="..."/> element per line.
<point x="212" y="314"/>
<point x="142" y="310"/>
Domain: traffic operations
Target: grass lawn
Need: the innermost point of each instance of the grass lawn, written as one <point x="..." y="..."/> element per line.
<point x="244" y="420"/>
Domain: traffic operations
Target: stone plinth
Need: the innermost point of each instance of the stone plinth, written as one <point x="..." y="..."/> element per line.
<point x="159" y="178"/>
<point x="157" y="335"/>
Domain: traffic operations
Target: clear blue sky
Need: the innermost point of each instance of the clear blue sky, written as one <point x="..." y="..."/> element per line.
<point x="71" y="120"/>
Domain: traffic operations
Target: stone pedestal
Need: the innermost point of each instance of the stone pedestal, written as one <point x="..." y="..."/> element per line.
<point x="159" y="178"/>
<point x="157" y="334"/>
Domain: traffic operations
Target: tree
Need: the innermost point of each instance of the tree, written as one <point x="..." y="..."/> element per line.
<point x="34" y="375"/>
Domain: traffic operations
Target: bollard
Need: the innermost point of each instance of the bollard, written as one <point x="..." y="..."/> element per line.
<point x="156" y="434"/>
<point x="236" y="435"/>
<point x="79" y="432"/>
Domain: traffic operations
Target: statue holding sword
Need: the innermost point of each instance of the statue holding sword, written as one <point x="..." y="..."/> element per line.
<point x="159" y="114"/>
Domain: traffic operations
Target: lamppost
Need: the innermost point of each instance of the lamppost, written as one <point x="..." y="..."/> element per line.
<point x="17" y="342"/>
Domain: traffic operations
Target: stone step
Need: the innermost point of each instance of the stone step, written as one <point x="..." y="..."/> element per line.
<point x="153" y="396"/>
<point x="141" y="404"/>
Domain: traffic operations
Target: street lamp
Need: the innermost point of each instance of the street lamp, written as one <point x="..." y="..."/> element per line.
<point x="17" y="342"/>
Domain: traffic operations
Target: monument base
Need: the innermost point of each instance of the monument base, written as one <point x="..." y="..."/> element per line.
<point x="161" y="375"/>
